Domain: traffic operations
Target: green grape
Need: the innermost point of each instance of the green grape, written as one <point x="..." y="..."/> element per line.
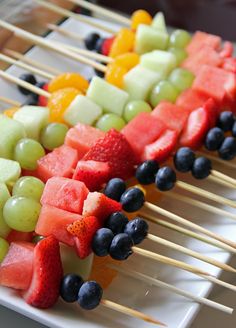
<point x="28" y="187"/>
<point x="27" y="152"/>
<point x="179" y="39"/>
<point x="53" y="135"/>
<point x="21" y="213"/>
<point x="164" y="90"/>
<point x="180" y="54"/>
<point x="181" y="78"/>
<point x="133" y="108"/>
<point x="4" y="228"/>
<point x="4" y="246"/>
<point x="108" y="121"/>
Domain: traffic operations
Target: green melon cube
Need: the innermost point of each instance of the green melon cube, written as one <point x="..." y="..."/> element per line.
<point x="159" y="61"/>
<point x="159" y="23"/>
<point x="110" y="98"/>
<point x="149" y="38"/>
<point x="34" y="119"/>
<point x="139" y="81"/>
<point x="11" y="132"/>
<point x="10" y="171"/>
<point x="83" y="110"/>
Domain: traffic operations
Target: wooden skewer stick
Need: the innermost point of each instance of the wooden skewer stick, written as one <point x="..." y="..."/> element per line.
<point x="217" y="159"/>
<point x="70" y="14"/>
<point x="219" y="181"/>
<point x="29" y="68"/>
<point x="48" y="45"/>
<point x="10" y="101"/>
<point x="224" y="177"/>
<point x="179" y="219"/>
<point x="155" y="282"/>
<point x="190" y="252"/>
<point x="63" y="31"/>
<point x="190" y="233"/>
<point x="25" y="84"/>
<point x="32" y="62"/>
<point x="201" y="205"/>
<point x="206" y="194"/>
<point x="103" y="11"/>
<point x="168" y="260"/>
<point x="130" y="312"/>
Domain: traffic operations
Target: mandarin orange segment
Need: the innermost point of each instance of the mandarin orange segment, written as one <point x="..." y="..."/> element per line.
<point x="10" y="111"/>
<point x="115" y="74"/>
<point x="127" y="60"/>
<point x="59" y="102"/>
<point x="68" y="80"/>
<point x="140" y="17"/>
<point x="124" y="42"/>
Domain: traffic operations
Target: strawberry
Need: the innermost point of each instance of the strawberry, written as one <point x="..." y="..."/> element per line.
<point x="115" y="150"/>
<point x="43" y="101"/>
<point x="94" y="174"/>
<point x="106" y="46"/>
<point x="43" y="291"/>
<point x="83" y="231"/>
<point x="161" y="149"/>
<point x="99" y="205"/>
<point x="213" y="111"/>
<point x="195" y="129"/>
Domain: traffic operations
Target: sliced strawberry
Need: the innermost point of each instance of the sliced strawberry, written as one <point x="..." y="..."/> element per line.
<point x="115" y="150"/>
<point x="17" y="267"/>
<point x="43" y="101"/>
<point x="106" y="46"/>
<point x="227" y="50"/>
<point x="195" y="129"/>
<point x="44" y="289"/>
<point x="83" y="231"/>
<point x="161" y="149"/>
<point x="213" y="111"/>
<point x="97" y="204"/>
<point x="19" y="236"/>
<point x="94" y="174"/>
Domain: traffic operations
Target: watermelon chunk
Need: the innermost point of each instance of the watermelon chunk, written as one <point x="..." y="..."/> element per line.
<point x="141" y="131"/>
<point x="174" y="117"/>
<point x="59" y="163"/>
<point x="82" y="137"/>
<point x="227" y="50"/>
<point x="162" y="148"/>
<point x="201" y="39"/>
<point x="66" y="194"/>
<point x="191" y="99"/>
<point x="17" y="267"/>
<point x="54" y="222"/>
<point x="92" y="173"/>
<point x="196" y="128"/>
<point x="229" y="64"/>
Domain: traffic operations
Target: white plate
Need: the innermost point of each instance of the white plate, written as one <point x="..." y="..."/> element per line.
<point x="175" y="311"/>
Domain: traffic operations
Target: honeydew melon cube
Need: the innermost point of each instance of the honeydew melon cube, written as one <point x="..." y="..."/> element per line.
<point x="159" y="22"/>
<point x="110" y="98"/>
<point x="159" y="61"/>
<point x="34" y="119"/>
<point x="4" y="196"/>
<point x="11" y="132"/>
<point x="83" y="110"/>
<point x="139" y="81"/>
<point x="10" y="171"/>
<point x="149" y="38"/>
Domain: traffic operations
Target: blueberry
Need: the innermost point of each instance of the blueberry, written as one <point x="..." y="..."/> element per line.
<point x="99" y="73"/>
<point x="184" y="159"/>
<point x="70" y="287"/>
<point x="146" y="172"/>
<point x="90" y="295"/>
<point x="227" y="150"/>
<point x="214" y="139"/>
<point x="102" y="241"/>
<point x="226" y="121"/>
<point x="234" y="129"/>
<point x="165" y="178"/>
<point x="27" y="78"/>
<point x="31" y="100"/>
<point x="121" y="247"/>
<point x="91" y="40"/>
<point x="137" y="229"/>
<point x="132" y="199"/>
<point x="117" y="222"/>
<point x="115" y="188"/>
<point x="98" y="45"/>
<point x="40" y="84"/>
<point x="201" y="168"/>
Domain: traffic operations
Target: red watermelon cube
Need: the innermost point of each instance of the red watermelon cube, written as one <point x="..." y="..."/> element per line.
<point x="54" y="222"/>
<point x="191" y="99"/>
<point x="59" y="163"/>
<point x="82" y="137"/>
<point x="201" y="39"/>
<point x="66" y="194"/>
<point x="141" y="131"/>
